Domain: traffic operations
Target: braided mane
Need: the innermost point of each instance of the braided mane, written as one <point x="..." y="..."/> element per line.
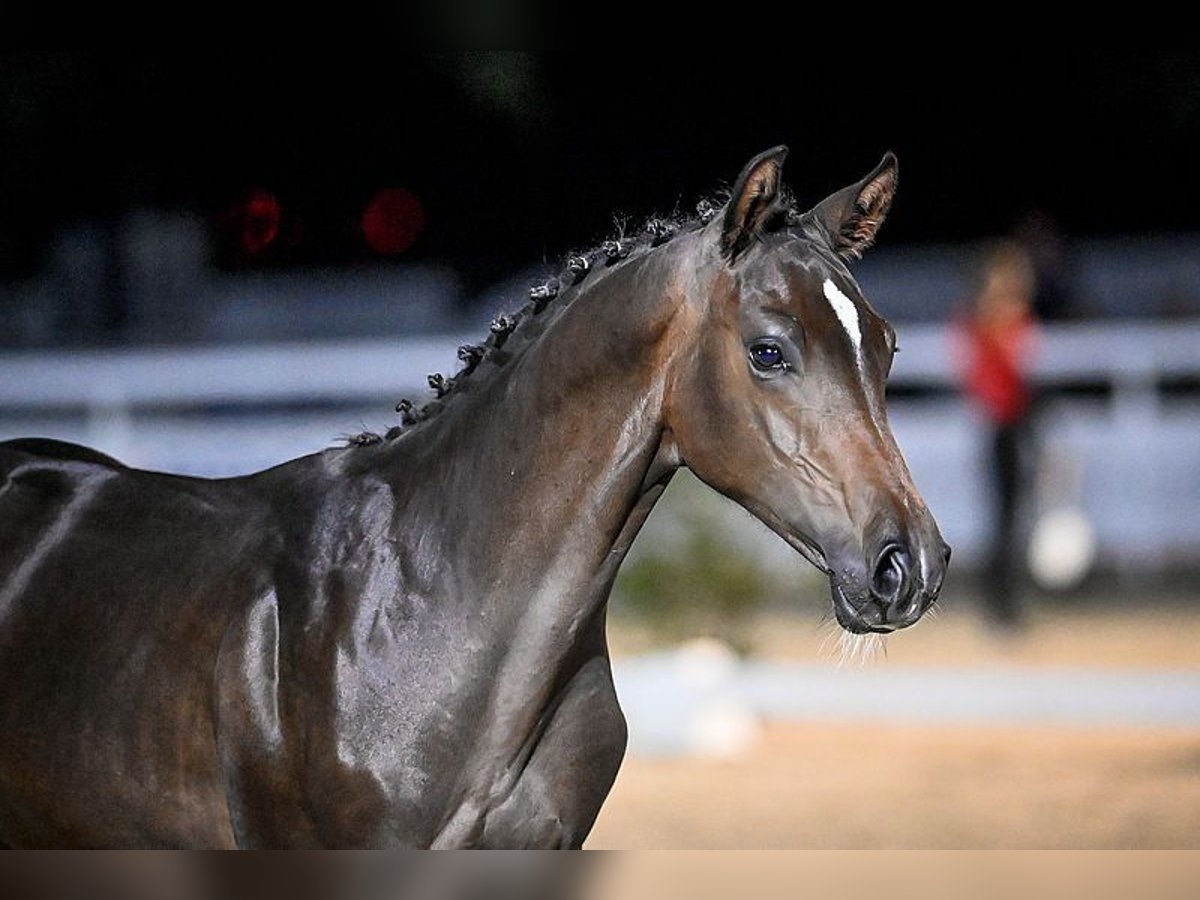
<point x="506" y="332"/>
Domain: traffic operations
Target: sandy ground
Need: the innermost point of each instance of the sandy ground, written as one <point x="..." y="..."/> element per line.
<point x="864" y="786"/>
<point x="821" y="785"/>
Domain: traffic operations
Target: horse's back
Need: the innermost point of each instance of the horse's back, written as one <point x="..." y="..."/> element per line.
<point x="43" y="484"/>
<point x="50" y="448"/>
<point x="74" y="513"/>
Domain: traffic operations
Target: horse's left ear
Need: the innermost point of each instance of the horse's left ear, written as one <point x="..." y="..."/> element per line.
<point x="754" y="201"/>
<point x="850" y="218"/>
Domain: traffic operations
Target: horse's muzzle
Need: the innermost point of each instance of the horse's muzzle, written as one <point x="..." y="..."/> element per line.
<point x="901" y="586"/>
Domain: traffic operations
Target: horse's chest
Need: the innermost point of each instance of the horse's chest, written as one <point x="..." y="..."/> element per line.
<point x="493" y="783"/>
<point x="565" y="772"/>
<point x="400" y="748"/>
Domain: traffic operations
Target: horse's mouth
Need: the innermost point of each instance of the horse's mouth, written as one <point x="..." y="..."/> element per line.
<point x="809" y="550"/>
<point x="868" y="618"/>
<point x="853" y="620"/>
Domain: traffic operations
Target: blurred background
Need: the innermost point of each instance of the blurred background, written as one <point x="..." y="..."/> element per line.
<point x="212" y="268"/>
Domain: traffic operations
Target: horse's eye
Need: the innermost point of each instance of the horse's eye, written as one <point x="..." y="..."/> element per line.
<point x="766" y="356"/>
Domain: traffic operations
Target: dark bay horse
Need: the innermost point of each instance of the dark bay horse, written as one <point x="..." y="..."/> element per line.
<point x="401" y="642"/>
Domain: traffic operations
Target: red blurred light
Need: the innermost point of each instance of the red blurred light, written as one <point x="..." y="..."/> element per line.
<point x="392" y="221"/>
<point x="258" y="216"/>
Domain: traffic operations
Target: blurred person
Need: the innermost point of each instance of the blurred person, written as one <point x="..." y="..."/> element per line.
<point x="995" y="339"/>
<point x="1054" y="289"/>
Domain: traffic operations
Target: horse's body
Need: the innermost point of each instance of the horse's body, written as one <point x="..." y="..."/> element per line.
<point x="403" y="643"/>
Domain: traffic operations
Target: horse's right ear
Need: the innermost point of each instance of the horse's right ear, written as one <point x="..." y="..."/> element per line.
<point x="754" y="201"/>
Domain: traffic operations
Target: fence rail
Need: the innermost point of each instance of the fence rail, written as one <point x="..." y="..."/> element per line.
<point x="233" y="409"/>
<point x="1128" y="356"/>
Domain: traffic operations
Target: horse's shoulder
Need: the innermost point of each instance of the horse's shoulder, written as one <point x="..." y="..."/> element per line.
<point x="48" y="448"/>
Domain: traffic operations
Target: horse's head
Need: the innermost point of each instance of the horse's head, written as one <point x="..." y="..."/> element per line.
<point x="778" y="399"/>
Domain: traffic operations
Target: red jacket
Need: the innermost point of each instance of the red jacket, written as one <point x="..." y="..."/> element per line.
<point x="993" y="363"/>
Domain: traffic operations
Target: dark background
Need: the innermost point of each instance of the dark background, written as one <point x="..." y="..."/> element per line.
<point x="520" y="157"/>
<point x="135" y="318"/>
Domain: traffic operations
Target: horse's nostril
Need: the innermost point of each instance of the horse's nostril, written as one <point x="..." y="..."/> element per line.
<point x="891" y="582"/>
<point x="946" y="554"/>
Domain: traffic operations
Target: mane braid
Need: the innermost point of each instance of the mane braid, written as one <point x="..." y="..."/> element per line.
<point x="555" y="291"/>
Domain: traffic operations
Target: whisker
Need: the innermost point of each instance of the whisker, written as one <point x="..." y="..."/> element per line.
<point x="833" y="632"/>
<point x="860" y="650"/>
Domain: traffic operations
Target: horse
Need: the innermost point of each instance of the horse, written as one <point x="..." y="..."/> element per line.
<point x="400" y="641"/>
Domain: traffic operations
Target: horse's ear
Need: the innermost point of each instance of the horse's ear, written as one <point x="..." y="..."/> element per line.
<point x="754" y="202"/>
<point x="850" y="218"/>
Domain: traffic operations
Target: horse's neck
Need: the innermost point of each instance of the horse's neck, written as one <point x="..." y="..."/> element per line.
<point x="537" y="477"/>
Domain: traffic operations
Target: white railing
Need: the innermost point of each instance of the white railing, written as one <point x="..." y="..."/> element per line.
<point x="1130" y="356"/>
<point x="232" y="409"/>
<point x="196" y="376"/>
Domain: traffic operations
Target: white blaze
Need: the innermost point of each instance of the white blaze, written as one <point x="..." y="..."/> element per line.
<point x="847" y="314"/>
